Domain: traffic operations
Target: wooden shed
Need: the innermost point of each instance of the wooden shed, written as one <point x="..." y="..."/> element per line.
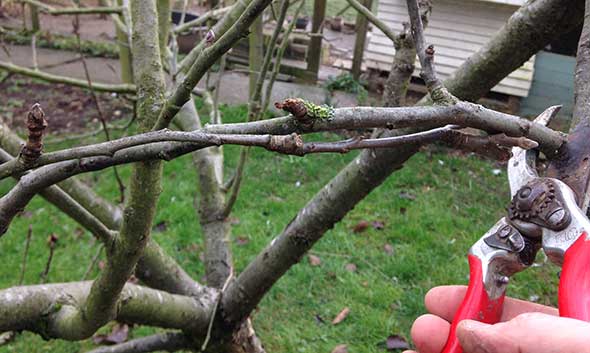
<point x="457" y="28"/>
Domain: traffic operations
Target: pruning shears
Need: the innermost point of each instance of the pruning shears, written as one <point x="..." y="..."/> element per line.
<point x="543" y="214"/>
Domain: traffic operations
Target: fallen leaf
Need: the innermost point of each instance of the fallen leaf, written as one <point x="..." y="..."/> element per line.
<point x="407" y="195"/>
<point x="360" y="227"/>
<point x="396" y="342"/>
<point x="119" y="334"/>
<point x="25" y="214"/>
<point x="241" y="240"/>
<point x="388" y="248"/>
<point x="160" y="227"/>
<point x="314" y="260"/>
<point x="233" y="220"/>
<point x="52" y="240"/>
<point x="341" y="348"/>
<point x="341" y="316"/>
<point x="379" y="225"/>
<point x="350" y="267"/>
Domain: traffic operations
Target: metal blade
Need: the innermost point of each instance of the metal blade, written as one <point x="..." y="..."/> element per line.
<point x="522" y="165"/>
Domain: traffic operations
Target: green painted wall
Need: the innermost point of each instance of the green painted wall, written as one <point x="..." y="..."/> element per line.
<point x="553" y="83"/>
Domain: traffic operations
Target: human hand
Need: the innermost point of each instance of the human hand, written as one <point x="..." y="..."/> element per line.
<point x="525" y="328"/>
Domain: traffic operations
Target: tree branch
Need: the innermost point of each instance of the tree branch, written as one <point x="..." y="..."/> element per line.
<point x="102" y="87"/>
<point x="219" y="29"/>
<point x="202" y="19"/>
<point x="216" y="228"/>
<point x="155" y="268"/>
<point x="169" y="342"/>
<point x="207" y="58"/>
<point x="45" y="309"/>
<point x="572" y="166"/>
<point x="437" y="91"/>
<point x="374" y="20"/>
<point x="523" y="35"/>
<point x="463" y="114"/>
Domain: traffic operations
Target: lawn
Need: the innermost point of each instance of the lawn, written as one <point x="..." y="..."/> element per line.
<point x="430" y="213"/>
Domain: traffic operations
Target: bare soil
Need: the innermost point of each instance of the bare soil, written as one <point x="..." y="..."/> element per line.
<point x="68" y="109"/>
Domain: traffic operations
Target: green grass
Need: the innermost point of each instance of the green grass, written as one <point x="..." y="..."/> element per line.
<point x="457" y="199"/>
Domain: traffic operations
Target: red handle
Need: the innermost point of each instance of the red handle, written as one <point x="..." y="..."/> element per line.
<point x="574" y="284"/>
<point x="475" y="306"/>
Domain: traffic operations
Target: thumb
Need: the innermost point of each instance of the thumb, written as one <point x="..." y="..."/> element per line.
<point x="526" y="333"/>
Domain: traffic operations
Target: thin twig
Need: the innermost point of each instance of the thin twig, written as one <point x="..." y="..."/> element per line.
<point x="92" y="263"/>
<point x="51" y="243"/>
<point x="255" y="107"/>
<point x="101" y="117"/>
<point x="248" y="134"/>
<point x="56" y="140"/>
<point x="102" y="87"/>
<point x="216" y="118"/>
<point x="437" y="90"/>
<point x="279" y="57"/>
<point x="214" y="312"/>
<point x="184" y="26"/>
<point x="25" y="255"/>
<point x="373" y="19"/>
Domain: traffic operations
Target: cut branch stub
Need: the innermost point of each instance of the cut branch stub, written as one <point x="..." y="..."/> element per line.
<point x="296" y="107"/>
<point x="306" y="112"/>
<point x="36" y="124"/>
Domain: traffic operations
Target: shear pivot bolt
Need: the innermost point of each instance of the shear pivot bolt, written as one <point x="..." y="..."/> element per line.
<point x="505" y="232"/>
<point x="503" y="280"/>
<point x="557" y="217"/>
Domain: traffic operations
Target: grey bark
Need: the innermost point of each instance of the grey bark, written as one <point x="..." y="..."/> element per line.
<point x="216" y="227"/>
<point x="40" y="308"/>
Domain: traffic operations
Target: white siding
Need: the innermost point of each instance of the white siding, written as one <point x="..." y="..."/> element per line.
<point x="457" y="29"/>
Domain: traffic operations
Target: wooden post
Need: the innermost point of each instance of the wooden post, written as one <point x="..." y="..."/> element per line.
<point x="124" y="44"/>
<point x="361" y="27"/>
<point x="35" y="25"/>
<point x="314" y="51"/>
<point x="256" y="51"/>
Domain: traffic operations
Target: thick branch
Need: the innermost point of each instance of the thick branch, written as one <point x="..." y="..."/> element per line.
<point x="216" y="228"/>
<point x="572" y="167"/>
<point x="45" y="309"/>
<point x="100" y="306"/>
<point x="102" y="87"/>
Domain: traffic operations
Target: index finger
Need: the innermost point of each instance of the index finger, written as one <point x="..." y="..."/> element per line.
<point x="444" y="301"/>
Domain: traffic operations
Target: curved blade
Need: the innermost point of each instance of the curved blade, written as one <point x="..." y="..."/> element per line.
<point x="521" y="167"/>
